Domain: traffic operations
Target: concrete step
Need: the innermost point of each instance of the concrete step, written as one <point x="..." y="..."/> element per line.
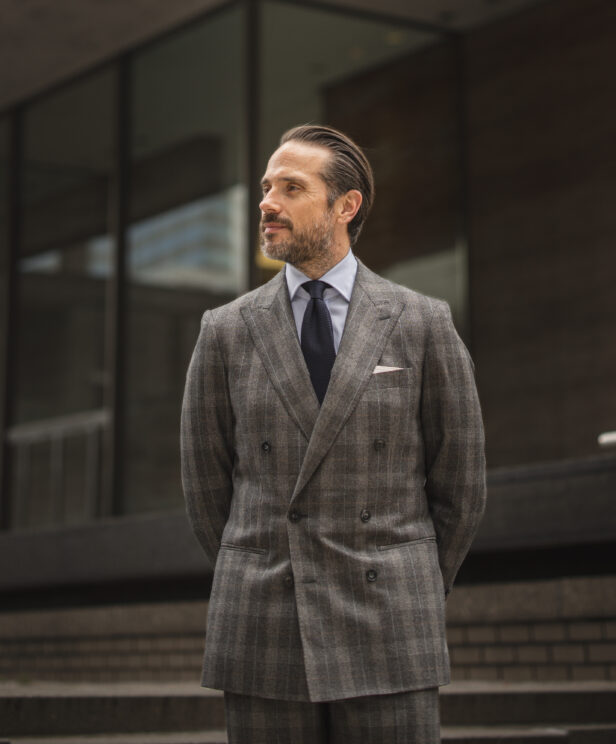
<point x="64" y="709"/>
<point x="602" y="734"/>
<point x="496" y="703"/>
<point x="503" y="735"/>
<point x="185" y="737"/>
<point x="592" y="734"/>
<point x="468" y="735"/>
<point x="56" y="709"/>
<point x="587" y="734"/>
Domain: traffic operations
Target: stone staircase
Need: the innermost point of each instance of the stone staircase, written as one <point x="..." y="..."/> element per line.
<point x="181" y="713"/>
<point x="544" y="631"/>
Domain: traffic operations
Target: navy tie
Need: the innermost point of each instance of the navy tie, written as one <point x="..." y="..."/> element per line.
<point x="318" y="338"/>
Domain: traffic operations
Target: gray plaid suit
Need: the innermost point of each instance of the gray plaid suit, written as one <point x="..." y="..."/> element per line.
<point x="335" y="531"/>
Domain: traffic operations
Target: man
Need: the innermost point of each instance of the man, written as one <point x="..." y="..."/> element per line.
<point x="333" y="467"/>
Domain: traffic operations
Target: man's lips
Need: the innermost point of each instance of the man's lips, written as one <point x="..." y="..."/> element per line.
<point x="270" y="228"/>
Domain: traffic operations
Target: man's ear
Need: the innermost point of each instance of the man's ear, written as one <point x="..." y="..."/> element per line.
<point x="348" y="205"/>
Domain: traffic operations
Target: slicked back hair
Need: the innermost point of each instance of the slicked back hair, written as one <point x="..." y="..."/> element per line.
<point x="348" y="168"/>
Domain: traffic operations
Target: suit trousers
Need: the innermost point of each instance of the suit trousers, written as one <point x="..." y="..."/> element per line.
<point x="401" y="718"/>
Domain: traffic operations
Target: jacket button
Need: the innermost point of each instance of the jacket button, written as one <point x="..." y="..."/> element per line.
<point x="294" y="516"/>
<point x="371" y="574"/>
<point x="288" y="580"/>
<point x="379" y="444"/>
<point x="266" y="447"/>
<point x="365" y="515"/>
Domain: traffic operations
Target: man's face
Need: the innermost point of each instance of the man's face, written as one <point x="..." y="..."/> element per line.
<point x="297" y="225"/>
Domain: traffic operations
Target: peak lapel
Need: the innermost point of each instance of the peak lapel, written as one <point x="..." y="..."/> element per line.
<point x="373" y="313"/>
<point x="269" y="318"/>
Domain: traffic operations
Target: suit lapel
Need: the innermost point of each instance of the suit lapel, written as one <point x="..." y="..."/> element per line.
<point x="373" y="313"/>
<point x="269" y="318"/>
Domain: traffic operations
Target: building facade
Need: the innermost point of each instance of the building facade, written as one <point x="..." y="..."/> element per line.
<point x="128" y="206"/>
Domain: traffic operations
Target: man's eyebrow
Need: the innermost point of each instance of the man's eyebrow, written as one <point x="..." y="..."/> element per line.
<point x="295" y="179"/>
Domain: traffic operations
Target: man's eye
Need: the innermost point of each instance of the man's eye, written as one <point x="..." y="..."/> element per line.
<point x="292" y="187"/>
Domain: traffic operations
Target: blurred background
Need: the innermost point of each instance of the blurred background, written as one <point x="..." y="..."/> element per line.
<point x="133" y="136"/>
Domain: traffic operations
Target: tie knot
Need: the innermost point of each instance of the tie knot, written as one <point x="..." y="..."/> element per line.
<point x="315" y="288"/>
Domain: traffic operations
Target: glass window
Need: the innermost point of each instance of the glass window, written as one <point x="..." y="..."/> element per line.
<point x="393" y="90"/>
<point x="4" y="261"/>
<point x="187" y="237"/>
<point x="60" y="413"/>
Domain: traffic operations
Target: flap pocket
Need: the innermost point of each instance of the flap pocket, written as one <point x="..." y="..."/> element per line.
<point x="393" y="546"/>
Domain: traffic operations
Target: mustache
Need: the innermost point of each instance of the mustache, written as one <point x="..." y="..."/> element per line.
<point x="278" y="220"/>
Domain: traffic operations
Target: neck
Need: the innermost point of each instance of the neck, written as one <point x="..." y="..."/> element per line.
<point x="316" y="267"/>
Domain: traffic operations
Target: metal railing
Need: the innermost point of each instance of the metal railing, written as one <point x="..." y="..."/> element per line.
<point x="54" y="433"/>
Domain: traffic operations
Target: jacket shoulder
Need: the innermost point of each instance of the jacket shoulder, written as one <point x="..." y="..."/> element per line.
<point x="230" y="312"/>
<point x="377" y="286"/>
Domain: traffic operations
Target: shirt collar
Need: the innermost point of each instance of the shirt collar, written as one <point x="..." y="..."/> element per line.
<point x="341" y="277"/>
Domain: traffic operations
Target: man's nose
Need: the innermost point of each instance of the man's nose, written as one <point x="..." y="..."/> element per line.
<point x="269" y="204"/>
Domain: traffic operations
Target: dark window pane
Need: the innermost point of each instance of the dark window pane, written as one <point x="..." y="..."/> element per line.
<point x="4" y="261"/>
<point x="64" y="264"/>
<point x="187" y="235"/>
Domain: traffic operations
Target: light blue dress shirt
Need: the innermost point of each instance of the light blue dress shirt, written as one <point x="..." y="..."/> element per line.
<point x="341" y="277"/>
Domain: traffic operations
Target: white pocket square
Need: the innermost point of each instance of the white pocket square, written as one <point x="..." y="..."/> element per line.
<point x="379" y="369"/>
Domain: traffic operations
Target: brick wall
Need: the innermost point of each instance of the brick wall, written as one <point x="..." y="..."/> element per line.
<point x="574" y="650"/>
<point x="541" y="149"/>
<point x="548" y="630"/>
<point x="162" y="641"/>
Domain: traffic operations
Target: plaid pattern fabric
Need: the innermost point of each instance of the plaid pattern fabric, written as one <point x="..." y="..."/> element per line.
<point x="403" y="718"/>
<point x="335" y="531"/>
<point x="253" y="720"/>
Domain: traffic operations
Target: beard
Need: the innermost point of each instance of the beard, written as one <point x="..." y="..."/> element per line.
<point x="301" y="246"/>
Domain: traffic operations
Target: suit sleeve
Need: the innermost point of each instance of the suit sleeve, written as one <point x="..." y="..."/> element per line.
<point x="206" y="441"/>
<point x="454" y="443"/>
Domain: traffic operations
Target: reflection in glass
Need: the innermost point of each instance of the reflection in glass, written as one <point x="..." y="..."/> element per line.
<point x="60" y="405"/>
<point x="199" y="245"/>
<point x="325" y="48"/>
<point x="187" y="235"/>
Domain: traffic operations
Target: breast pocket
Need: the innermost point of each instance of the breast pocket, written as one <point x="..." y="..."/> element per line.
<point x="395" y="379"/>
<point x="389" y="407"/>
